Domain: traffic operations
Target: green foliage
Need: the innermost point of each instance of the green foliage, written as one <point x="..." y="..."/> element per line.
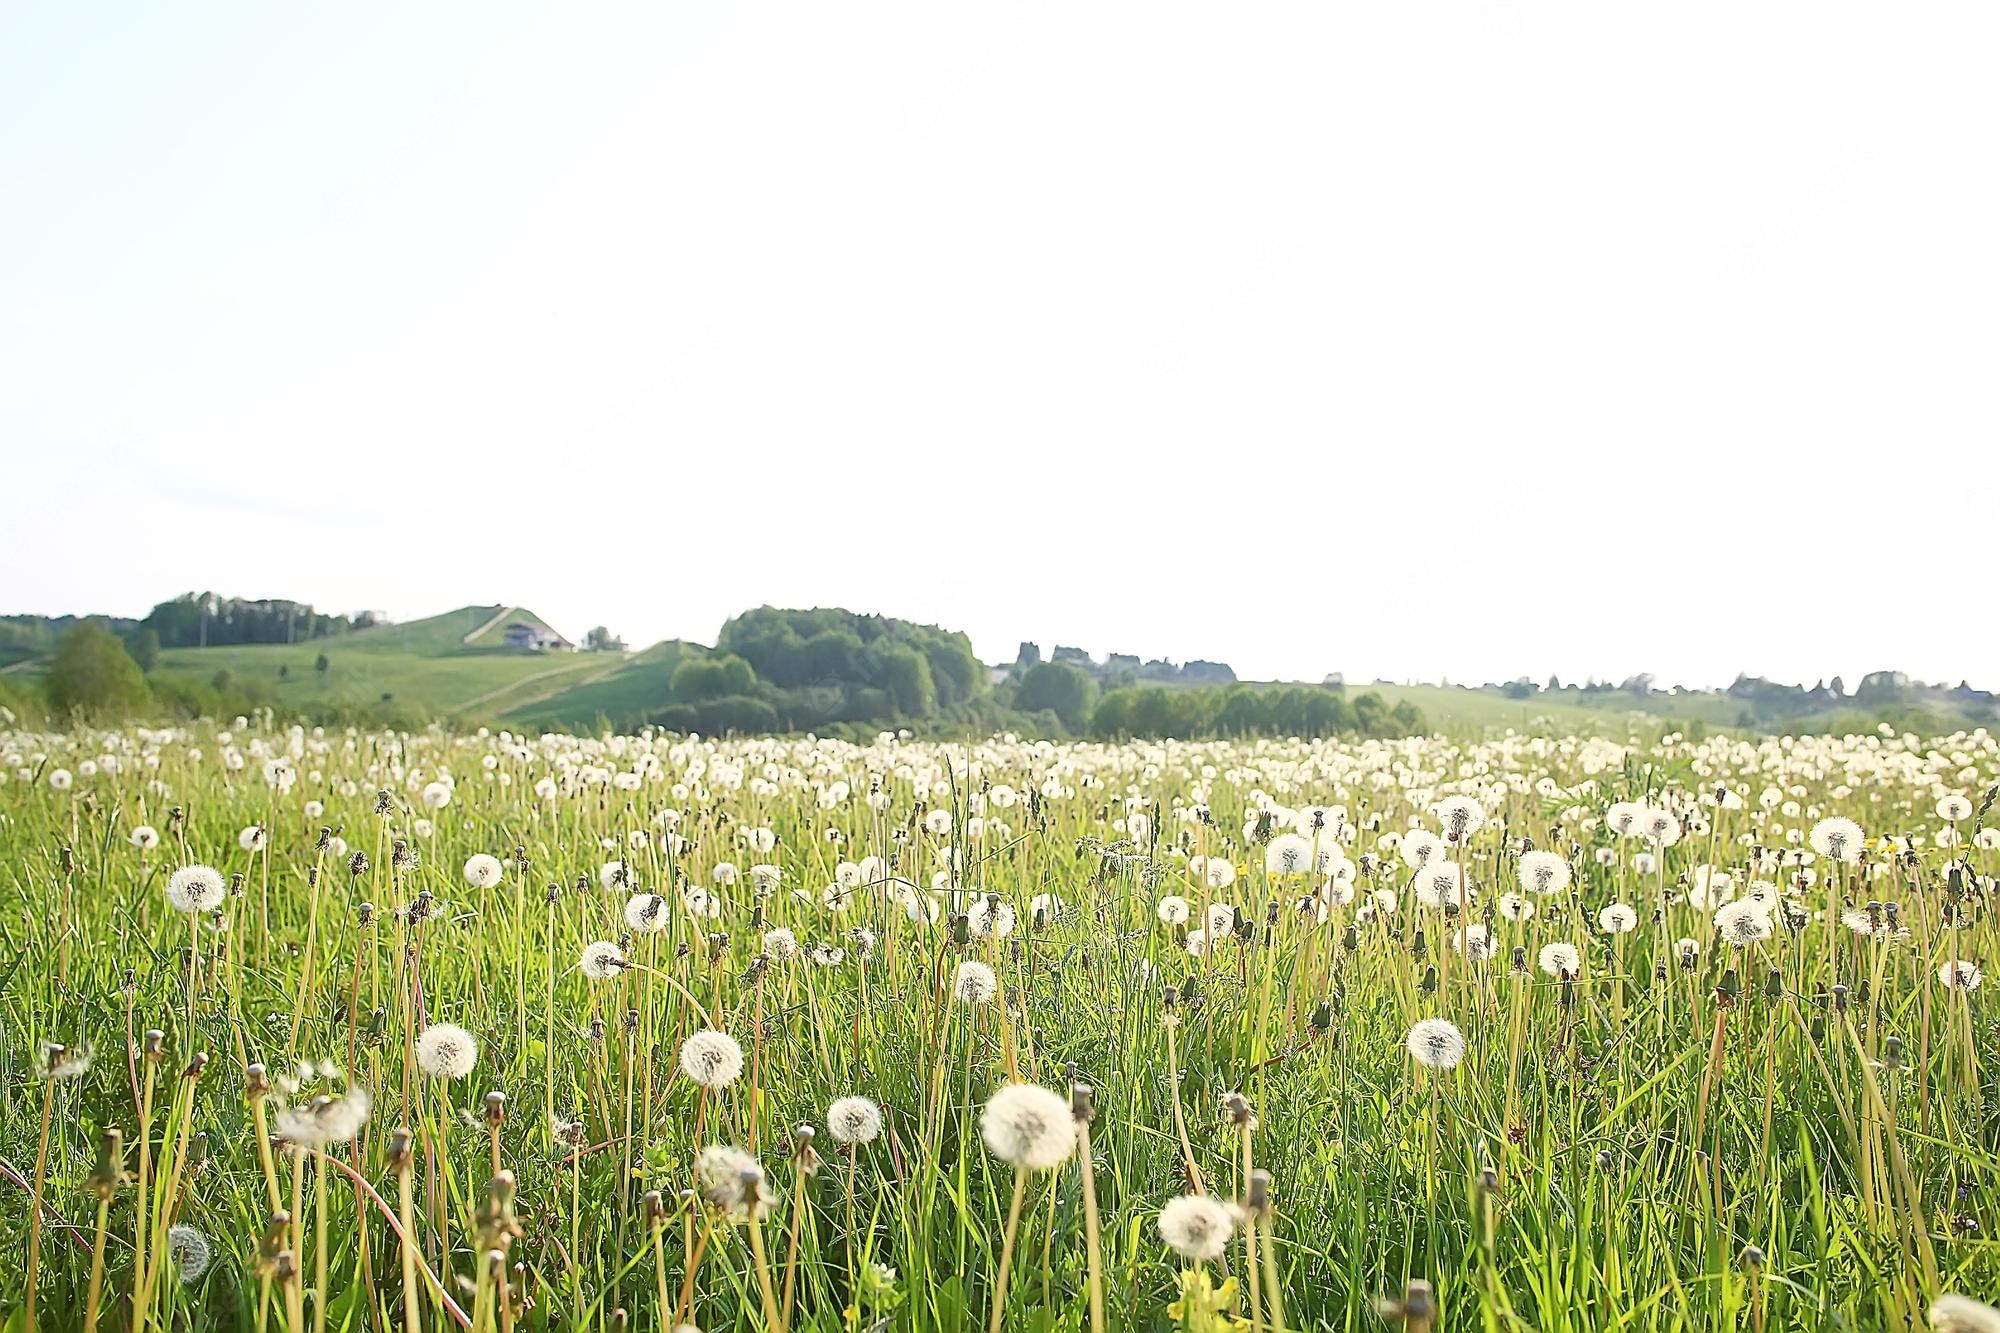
<point x="208" y="619"/>
<point x="144" y="645"/>
<point x="700" y="678"/>
<point x="1059" y="688"/>
<point x="830" y="664"/>
<point x="1245" y="710"/>
<point x="93" y="676"/>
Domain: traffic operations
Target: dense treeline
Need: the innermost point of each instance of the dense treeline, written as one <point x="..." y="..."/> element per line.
<point x="1244" y="710"/>
<point x="207" y="619"/>
<point x="825" y="669"/>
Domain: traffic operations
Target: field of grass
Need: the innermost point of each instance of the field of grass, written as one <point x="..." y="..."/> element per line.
<point x="637" y="1032"/>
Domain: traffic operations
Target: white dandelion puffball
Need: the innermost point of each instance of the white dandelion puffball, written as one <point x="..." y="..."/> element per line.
<point x="711" y="1059"/>
<point x="602" y="960"/>
<point x="1544" y="872"/>
<point x="251" y="839"/>
<point x="1436" y="1043"/>
<point x="324" y="1120"/>
<point x="446" y="1050"/>
<point x="1561" y="961"/>
<point x="1618" y="919"/>
<point x="780" y="943"/>
<point x="1743" y="922"/>
<point x="1952" y="1313"/>
<point x="1460" y="817"/>
<point x="646" y="912"/>
<point x="974" y="983"/>
<point x="613" y="874"/>
<point x="189" y="1250"/>
<point x="1029" y="1127"/>
<point x="854" y="1120"/>
<point x="1288" y="854"/>
<point x="483" y="871"/>
<point x="195" y="889"/>
<point x="733" y="1181"/>
<point x="938" y="823"/>
<point x="1954" y="808"/>
<point x="1420" y="847"/>
<point x="1960" y="975"/>
<point x="990" y="917"/>
<point x="437" y="795"/>
<point x="1837" y="839"/>
<point x="1173" y="910"/>
<point x="1196" y="1226"/>
<point x="145" y="837"/>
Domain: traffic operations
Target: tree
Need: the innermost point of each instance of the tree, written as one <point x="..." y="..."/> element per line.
<point x="321" y="664"/>
<point x="602" y="640"/>
<point x="711" y="678"/>
<point x="144" y="645"/>
<point x="93" y="675"/>
<point x="1061" y="689"/>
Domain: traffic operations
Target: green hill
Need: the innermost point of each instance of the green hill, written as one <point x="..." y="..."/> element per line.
<point x="452" y="665"/>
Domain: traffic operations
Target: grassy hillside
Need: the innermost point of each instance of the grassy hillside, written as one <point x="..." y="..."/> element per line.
<point x="452" y="664"/>
<point x="633" y="689"/>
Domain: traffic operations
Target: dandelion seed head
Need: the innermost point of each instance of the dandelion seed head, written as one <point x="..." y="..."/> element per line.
<point x="446" y="1050"/>
<point x="1028" y="1126"/>
<point x="712" y="1059"/>
<point x="1197" y="1227"/>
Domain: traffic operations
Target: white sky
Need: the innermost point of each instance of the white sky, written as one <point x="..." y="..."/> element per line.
<point x="1412" y="340"/>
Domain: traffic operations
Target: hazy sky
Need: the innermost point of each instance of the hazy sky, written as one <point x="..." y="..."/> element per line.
<point x="1410" y="340"/>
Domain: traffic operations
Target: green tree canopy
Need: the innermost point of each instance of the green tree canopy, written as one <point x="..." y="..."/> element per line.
<point x="94" y="676"/>
<point x="1059" y="688"/>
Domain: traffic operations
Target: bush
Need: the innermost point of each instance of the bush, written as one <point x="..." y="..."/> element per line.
<point x="93" y="676"/>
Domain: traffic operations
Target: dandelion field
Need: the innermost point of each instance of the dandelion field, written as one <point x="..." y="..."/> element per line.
<point x="333" y="1029"/>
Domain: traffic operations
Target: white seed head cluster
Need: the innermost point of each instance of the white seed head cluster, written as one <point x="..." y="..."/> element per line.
<point x="602" y="960"/>
<point x="1436" y="1043"/>
<point x="190" y="1252"/>
<point x="195" y="889"/>
<point x="974" y="983"/>
<point x="322" y="1120"/>
<point x="733" y="1182"/>
<point x="483" y="871"/>
<point x="854" y="1120"/>
<point x="712" y="1059"/>
<point x="1197" y="1227"/>
<point x="1028" y="1126"/>
<point x="446" y="1050"/>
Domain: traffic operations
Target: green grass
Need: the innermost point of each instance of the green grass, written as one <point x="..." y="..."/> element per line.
<point x="425" y="664"/>
<point x="1641" y="1129"/>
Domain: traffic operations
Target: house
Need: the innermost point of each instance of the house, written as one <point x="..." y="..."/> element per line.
<point x="535" y="639"/>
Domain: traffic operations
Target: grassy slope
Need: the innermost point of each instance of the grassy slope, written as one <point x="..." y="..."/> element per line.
<point x="425" y="663"/>
<point x="632" y="689"/>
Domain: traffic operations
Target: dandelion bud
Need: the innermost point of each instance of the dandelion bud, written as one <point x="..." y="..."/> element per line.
<point x="1840" y="999"/>
<point x="357" y="864"/>
<point x="619" y="1319"/>
<point x="271" y="1245"/>
<point x="400" y="1156"/>
<point x="1892" y="1053"/>
<point x="1080" y="1104"/>
<point x="1322" y="1016"/>
<point x="110" y="1172"/>
<point x="656" y="1211"/>
<point x="1488" y="1180"/>
<point x="496" y="1109"/>
<point x="1774" y="985"/>
<point x="197" y="1066"/>
<point x="1605" y="1160"/>
<point x="1260" y="1200"/>
<point x="1752" y="1258"/>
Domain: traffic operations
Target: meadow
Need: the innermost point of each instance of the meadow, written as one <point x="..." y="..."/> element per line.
<point x="347" y="1029"/>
